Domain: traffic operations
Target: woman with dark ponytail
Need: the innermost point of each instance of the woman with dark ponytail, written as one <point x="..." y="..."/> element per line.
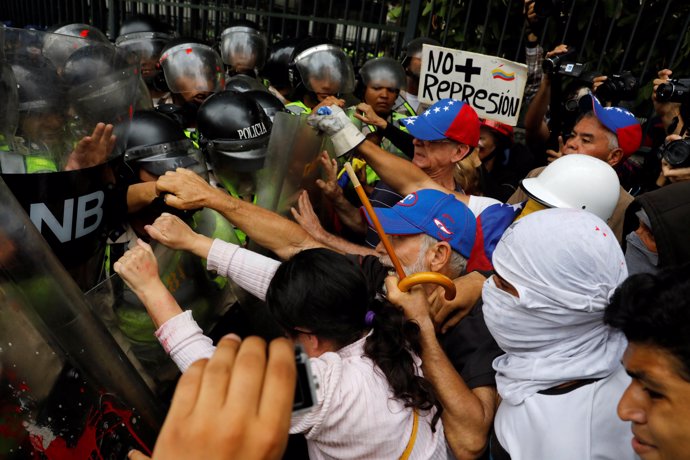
<point x="372" y="401"/>
<point x="364" y="354"/>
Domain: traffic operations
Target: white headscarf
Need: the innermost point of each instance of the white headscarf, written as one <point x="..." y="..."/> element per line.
<point x="565" y="264"/>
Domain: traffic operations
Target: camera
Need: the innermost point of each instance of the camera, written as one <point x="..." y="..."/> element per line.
<point x="676" y="153"/>
<point x="677" y="90"/>
<point x="616" y="88"/>
<point x="558" y="65"/>
<point x="305" y="390"/>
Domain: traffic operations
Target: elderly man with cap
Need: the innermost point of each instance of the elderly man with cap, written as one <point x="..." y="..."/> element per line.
<point x="431" y="231"/>
<point x="443" y="135"/>
<point x="610" y="134"/>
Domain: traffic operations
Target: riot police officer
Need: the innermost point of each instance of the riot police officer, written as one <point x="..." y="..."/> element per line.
<point x="318" y="70"/>
<point x="243" y="48"/>
<point x="193" y="71"/>
<point x="145" y="37"/>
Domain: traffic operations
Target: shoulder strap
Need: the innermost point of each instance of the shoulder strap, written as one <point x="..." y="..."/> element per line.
<point x="413" y="437"/>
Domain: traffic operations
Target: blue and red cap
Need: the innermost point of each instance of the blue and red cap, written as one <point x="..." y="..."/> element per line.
<point x="619" y="121"/>
<point x="434" y="213"/>
<point x="446" y="119"/>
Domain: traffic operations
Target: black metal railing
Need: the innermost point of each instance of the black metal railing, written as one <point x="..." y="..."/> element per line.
<point x="641" y="36"/>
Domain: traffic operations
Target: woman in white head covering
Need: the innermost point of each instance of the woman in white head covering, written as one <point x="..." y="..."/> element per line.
<point x="561" y="377"/>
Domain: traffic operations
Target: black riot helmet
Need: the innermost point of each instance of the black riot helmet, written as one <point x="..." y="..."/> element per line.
<point x="235" y="132"/>
<point x="243" y="47"/>
<point x="191" y="66"/>
<point x="102" y="83"/>
<point x="57" y="48"/>
<point x="157" y="144"/>
<point x="268" y="102"/>
<point x="276" y="68"/>
<point x="146" y="37"/>
<point x="81" y="30"/>
<point x="143" y="23"/>
<point x="413" y="49"/>
<point x="318" y="66"/>
<point x="39" y="87"/>
<point x="243" y="83"/>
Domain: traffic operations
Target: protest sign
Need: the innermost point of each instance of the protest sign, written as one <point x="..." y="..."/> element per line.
<point x="493" y="86"/>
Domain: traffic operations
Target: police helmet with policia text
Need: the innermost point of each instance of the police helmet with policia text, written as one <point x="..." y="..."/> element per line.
<point x="234" y="131"/>
<point x="319" y="66"/>
<point x="243" y="48"/>
<point x="157" y="144"/>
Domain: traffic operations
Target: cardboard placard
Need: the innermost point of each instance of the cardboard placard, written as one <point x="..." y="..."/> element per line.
<point x="492" y="85"/>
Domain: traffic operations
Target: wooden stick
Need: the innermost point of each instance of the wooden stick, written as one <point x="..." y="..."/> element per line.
<point x="375" y="220"/>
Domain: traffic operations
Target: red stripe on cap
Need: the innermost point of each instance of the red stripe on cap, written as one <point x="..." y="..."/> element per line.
<point x="465" y="126"/>
<point x="630" y="138"/>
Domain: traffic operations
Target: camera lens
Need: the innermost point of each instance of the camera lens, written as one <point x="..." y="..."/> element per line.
<point x="664" y="92"/>
<point x="677" y="153"/>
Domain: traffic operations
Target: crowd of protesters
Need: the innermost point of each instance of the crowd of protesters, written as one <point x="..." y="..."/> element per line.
<point x="560" y="324"/>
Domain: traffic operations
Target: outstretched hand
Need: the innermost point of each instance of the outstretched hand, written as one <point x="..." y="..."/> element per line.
<point x="138" y="268"/>
<point x="306" y="217"/>
<point x="366" y="114"/>
<point x="329" y="187"/>
<point x="184" y="188"/>
<point x="237" y="405"/>
<point x="174" y="233"/>
<point x="92" y="150"/>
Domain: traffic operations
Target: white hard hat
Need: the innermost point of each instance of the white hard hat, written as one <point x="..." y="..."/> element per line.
<point x="576" y="181"/>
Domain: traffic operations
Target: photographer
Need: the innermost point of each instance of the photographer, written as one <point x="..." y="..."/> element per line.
<point x="671" y="99"/>
<point x="561" y="117"/>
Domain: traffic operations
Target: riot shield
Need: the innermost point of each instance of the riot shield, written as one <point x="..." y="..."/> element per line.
<point x="67" y="391"/>
<point x="207" y="296"/>
<point x="54" y="166"/>
<point x="292" y="163"/>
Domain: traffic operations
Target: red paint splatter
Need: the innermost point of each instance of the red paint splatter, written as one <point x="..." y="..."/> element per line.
<point x="88" y="445"/>
<point x="188" y="51"/>
<point x="84" y="33"/>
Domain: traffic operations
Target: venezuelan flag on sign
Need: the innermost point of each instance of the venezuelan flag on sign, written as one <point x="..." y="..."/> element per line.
<point x="502" y="74"/>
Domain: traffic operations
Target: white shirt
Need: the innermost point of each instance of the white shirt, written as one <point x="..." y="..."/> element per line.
<point x="477" y="204"/>
<point x="581" y="424"/>
<point x="354" y="416"/>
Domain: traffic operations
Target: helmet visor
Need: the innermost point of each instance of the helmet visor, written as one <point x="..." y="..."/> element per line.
<point x="326" y="70"/>
<point x="243" y="49"/>
<point x="160" y="158"/>
<point x="383" y="72"/>
<point x="192" y="68"/>
<point x="147" y="47"/>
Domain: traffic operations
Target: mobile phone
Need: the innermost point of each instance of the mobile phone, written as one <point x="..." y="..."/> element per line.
<point x="305" y="390"/>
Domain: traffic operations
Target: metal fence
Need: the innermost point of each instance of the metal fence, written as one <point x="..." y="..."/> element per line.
<point x="610" y="35"/>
